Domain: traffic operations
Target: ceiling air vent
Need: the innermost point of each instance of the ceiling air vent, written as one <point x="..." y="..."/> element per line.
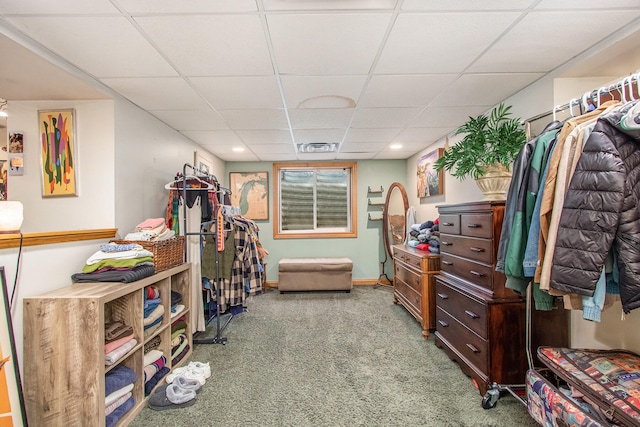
<point x="317" y="147"/>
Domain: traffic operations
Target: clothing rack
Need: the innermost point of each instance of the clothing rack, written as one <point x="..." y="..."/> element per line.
<point x="217" y="339"/>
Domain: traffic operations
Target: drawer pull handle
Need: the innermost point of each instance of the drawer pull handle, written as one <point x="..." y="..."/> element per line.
<point x="473" y="348"/>
<point x="471" y="314"/>
<point x="443" y="323"/>
<point x="417" y="300"/>
<point x="443" y="296"/>
<point x="474" y="225"/>
<point x="472" y="249"/>
<point x="447" y="224"/>
<point x="475" y="273"/>
<point x="446" y="262"/>
<point x="446" y="244"/>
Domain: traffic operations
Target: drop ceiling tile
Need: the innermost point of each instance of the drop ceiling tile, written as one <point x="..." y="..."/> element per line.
<point x="415" y="146"/>
<point x="426" y="134"/>
<point x="255" y="119"/>
<point x="191" y="6"/>
<point x="267" y="157"/>
<point x="363" y="147"/>
<point x="484" y="89"/>
<point x="404" y="91"/>
<point x="394" y="155"/>
<point x="58" y="7"/>
<point x="228" y="155"/>
<point x="303" y="136"/>
<point x="411" y="49"/>
<point x="466" y="5"/>
<point x="559" y="36"/>
<point x="92" y="43"/>
<point x="213" y="138"/>
<point x="371" y="135"/>
<point x="383" y="117"/>
<point x="239" y="92"/>
<point x="355" y="156"/>
<point x="331" y="5"/>
<point x="322" y="91"/>
<point x="191" y="119"/>
<point x="446" y="116"/>
<point x="317" y="156"/>
<point x="323" y="118"/>
<point x="314" y="44"/>
<point x="160" y="93"/>
<point x="211" y="45"/>
<point x="587" y="4"/>
<point x="265" y="136"/>
<point x="273" y="149"/>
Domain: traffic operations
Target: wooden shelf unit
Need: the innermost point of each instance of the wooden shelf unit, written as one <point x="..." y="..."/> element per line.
<point x="64" y="346"/>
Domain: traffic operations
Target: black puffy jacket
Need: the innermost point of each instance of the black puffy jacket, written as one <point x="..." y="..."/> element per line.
<point x="601" y="211"/>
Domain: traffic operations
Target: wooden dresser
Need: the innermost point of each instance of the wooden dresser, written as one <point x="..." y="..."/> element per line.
<point x="479" y="323"/>
<point x="414" y="283"/>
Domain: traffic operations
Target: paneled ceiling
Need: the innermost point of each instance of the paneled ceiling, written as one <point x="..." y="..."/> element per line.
<point x="382" y="79"/>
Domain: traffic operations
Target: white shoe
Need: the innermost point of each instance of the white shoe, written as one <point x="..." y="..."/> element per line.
<point x="203" y="367"/>
<point x="178" y="371"/>
<point x="188" y="372"/>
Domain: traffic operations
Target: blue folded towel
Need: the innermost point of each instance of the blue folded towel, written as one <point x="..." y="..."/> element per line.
<point x="118" y="378"/>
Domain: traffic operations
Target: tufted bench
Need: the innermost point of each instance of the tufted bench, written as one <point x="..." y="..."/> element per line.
<point x="314" y="274"/>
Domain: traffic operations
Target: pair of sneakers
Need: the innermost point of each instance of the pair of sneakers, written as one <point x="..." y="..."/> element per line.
<point x="194" y="370"/>
<point x="179" y="394"/>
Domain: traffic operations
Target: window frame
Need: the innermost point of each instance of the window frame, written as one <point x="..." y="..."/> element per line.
<point x="310" y="234"/>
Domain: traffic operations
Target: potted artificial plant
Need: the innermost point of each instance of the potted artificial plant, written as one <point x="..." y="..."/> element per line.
<point x="489" y="147"/>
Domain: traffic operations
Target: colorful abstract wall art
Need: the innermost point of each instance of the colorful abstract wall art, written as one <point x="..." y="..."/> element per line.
<point x="57" y="137"/>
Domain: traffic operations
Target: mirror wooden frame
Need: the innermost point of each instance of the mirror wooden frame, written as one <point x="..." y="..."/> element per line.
<point x="385" y="217"/>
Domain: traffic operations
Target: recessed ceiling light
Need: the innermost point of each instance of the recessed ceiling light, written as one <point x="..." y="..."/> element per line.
<point x="395" y="146"/>
<point x="238" y="149"/>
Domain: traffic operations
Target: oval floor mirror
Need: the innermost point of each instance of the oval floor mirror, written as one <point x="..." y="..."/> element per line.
<point x="394" y="227"/>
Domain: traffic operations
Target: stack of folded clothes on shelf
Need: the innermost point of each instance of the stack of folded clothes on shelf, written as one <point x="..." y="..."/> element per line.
<point x="425" y="236"/>
<point x="151" y="229"/>
<point x="179" y="341"/>
<point x="176" y="307"/>
<point x="117" y="263"/>
<point x="118" y="387"/>
<point x="153" y="310"/>
<point x="118" y="340"/>
<point x="155" y="368"/>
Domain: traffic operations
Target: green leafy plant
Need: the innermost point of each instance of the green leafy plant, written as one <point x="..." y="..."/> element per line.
<point x="493" y="139"/>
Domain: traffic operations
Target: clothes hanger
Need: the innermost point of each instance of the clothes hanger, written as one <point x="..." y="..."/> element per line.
<point x="205" y="184"/>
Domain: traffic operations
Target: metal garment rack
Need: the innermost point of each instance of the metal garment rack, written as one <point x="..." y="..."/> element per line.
<point x="217" y="339"/>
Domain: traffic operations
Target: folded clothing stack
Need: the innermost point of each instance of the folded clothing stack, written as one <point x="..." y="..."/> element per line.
<point x="151" y="229"/>
<point x="425" y="236"/>
<point x="118" y="340"/>
<point x="118" y="387"/>
<point x="117" y="263"/>
<point x="153" y="310"/>
<point x="155" y="369"/>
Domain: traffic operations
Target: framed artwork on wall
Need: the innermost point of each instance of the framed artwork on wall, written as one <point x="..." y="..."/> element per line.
<point x="429" y="182"/>
<point x="202" y="162"/>
<point x="58" y="156"/>
<point x="250" y="192"/>
<point x="12" y="409"/>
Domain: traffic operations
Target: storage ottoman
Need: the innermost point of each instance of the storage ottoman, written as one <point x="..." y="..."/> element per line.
<point x="315" y="274"/>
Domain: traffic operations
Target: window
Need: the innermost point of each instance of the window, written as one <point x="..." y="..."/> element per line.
<point x="315" y="200"/>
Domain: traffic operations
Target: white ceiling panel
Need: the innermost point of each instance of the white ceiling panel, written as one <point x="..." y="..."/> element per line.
<point x="446" y="116"/>
<point x="240" y="92"/>
<point x="160" y="93"/>
<point x="303" y="136"/>
<point x="362" y="147"/>
<point x="316" y="156"/>
<point x="255" y="119"/>
<point x="314" y="44"/>
<point x="415" y="146"/>
<point x="102" y="46"/>
<point x="464" y="5"/>
<point x="273" y="149"/>
<point x="233" y="156"/>
<point x="265" y="136"/>
<point x="393" y="155"/>
<point x="461" y="37"/>
<point x="345" y="155"/>
<point x="371" y="135"/>
<point x="191" y="6"/>
<point x="58" y="7"/>
<point x="429" y="134"/>
<point x="484" y="89"/>
<point x="271" y="157"/>
<point x="191" y="119"/>
<point x="322" y="91"/>
<point x="328" y="5"/>
<point x="559" y="35"/>
<point x="214" y="45"/>
<point x="587" y="4"/>
<point x="404" y="91"/>
<point x="323" y="118"/>
<point x="214" y="137"/>
<point x="372" y="118"/>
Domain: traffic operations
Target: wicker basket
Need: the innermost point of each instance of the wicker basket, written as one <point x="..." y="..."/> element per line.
<point x="166" y="253"/>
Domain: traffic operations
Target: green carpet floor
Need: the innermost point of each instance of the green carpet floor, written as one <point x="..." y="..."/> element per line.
<point x="332" y="359"/>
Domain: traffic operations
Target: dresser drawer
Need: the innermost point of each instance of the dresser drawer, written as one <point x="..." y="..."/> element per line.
<point x="413" y="260"/>
<point x="478" y="274"/>
<point x="449" y="223"/>
<point x="409" y="296"/>
<point x="409" y="277"/>
<point x="467" y="247"/>
<point x="469" y="311"/>
<point x="476" y="225"/>
<point x="469" y="345"/>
